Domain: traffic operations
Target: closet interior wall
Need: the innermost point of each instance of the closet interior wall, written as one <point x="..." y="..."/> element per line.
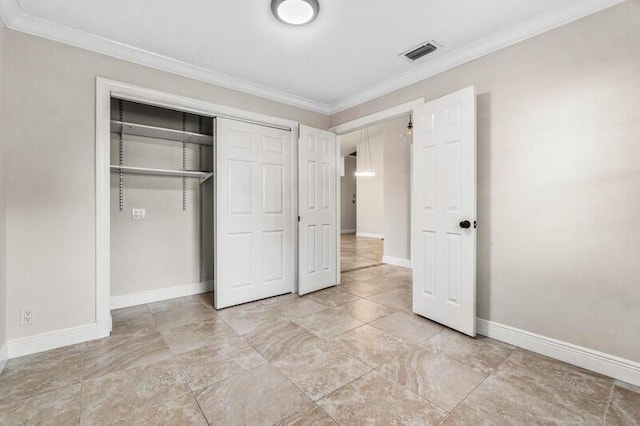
<point x="173" y="245"/>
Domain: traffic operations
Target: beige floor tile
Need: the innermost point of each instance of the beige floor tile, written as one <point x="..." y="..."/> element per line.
<point x="122" y="352"/>
<point x="480" y="353"/>
<point x="624" y="408"/>
<point x="207" y="298"/>
<point x="320" y="369"/>
<point x="358" y="252"/>
<point x="557" y="383"/>
<point x="498" y="403"/>
<point x="167" y="305"/>
<point x="409" y="327"/>
<point x="370" y="345"/>
<point x="433" y="376"/>
<point x="133" y="320"/>
<point x="372" y="399"/>
<point x="188" y="337"/>
<point x="328" y="323"/>
<point x="219" y="360"/>
<point x="251" y="317"/>
<point x="281" y="339"/>
<point x="399" y="298"/>
<point x="32" y="375"/>
<point x="61" y="406"/>
<point x="261" y="396"/>
<point x="360" y="288"/>
<point x="151" y="395"/>
<point x="311" y="416"/>
<point x="332" y="297"/>
<point x="182" y="311"/>
<point x="298" y="307"/>
<point x="365" y="310"/>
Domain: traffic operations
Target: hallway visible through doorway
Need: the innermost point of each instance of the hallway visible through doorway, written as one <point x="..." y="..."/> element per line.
<point x="359" y="252"/>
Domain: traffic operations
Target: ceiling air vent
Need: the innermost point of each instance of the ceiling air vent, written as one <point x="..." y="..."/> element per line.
<point x="422" y="50"/>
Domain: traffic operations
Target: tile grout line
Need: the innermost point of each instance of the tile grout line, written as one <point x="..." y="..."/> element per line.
<point x="606" y="407"/>
<point x="193" y="395"/>
<point x="476" y="388"/>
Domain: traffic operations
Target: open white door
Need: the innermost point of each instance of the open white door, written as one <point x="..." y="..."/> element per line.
<point x="254" y="213"/>
<point x="444" y="211"/>
<point x="318" y="210"/>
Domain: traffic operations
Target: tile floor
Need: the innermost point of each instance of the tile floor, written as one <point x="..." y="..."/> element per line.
<point x="349" y="355"/>
<point x="359" y="252"/>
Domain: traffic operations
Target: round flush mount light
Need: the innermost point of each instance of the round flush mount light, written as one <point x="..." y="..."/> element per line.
<point x="295" y="12"/>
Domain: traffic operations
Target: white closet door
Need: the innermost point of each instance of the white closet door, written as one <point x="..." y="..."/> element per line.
<point x="254" y="214"/>
<point x="318" y="209"/>
<point x="444" y="210"/>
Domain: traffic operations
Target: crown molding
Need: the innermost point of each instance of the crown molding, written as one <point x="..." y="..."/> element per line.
<point x="15" y="19"/>
<point x="515" y="34"/>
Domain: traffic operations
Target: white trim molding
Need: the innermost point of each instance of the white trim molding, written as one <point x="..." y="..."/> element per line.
<point x="537" y="25"/>
<point x="397" y="261"/>
<point x="369" y="235"/>
<point x="17" y="19"/>
<point x="4" y="355"/>
<point x="347" y="231"/>
<point x="609" y="365"/>
<point x="377" y="117"/>
<point x="51" y="340"/>
<point x="143" y="297"/>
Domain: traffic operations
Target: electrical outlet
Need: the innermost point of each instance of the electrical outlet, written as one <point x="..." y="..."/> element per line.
<point x="26" y="316"/>
<point x="138" y="214"/>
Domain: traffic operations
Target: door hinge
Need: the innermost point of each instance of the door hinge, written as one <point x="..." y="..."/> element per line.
<point x="298" y="218"/>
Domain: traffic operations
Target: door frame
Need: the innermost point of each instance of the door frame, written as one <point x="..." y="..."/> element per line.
<point x="105" y="89"/>
<point x="361" y="123"/>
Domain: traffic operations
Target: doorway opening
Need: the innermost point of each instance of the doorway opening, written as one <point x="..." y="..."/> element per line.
<point x="375" y="205"/>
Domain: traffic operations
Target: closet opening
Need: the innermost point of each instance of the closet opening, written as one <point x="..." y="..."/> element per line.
<point x="161" y="204"/>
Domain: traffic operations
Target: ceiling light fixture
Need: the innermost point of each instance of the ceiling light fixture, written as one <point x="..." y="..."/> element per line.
<point x="295" y="12"/>
<point x="364" y="153"/>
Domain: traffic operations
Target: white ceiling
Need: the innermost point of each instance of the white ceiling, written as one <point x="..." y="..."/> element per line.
<point x="348" y="55"/>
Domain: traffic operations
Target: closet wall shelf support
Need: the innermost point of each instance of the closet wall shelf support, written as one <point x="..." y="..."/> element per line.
<point x="144" y="130"/>
<point x="161" y="172"/>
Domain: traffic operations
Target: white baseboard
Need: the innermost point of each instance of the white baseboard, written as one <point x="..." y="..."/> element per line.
<point x="151" y="296"/>
<point x="368" y="235"/>
<point x="609" y="365"/>
<point x="397" y="261"/>
<point x="4" y="355"/>
<point x="51" y="340"/>
<point x="348" y="231"/>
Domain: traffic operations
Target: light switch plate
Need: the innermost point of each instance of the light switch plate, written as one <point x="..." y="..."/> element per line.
<point x="138" y="214"/>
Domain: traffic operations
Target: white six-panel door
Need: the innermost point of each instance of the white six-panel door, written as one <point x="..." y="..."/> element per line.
<point x="254" y="213"/>
<point x="443" y="198"/>
<point x="318" y="210"/>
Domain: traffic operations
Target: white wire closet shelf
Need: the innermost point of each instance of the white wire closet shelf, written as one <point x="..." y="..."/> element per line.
<point x="144" y="130"/>
<point x="162" y="172"/>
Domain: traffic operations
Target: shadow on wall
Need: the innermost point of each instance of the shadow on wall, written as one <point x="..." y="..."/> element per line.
<point x="483" y="271"/>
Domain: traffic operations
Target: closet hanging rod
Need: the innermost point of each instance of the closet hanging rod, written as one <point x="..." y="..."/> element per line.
<point x="145" y="130"/>
<point x="161" y="172"/>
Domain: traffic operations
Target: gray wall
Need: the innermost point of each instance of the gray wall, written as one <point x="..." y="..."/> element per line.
<point x="397" y="189"/>
<point x="558" y="179"/>
<point x="347" y="191"/>
<point x="51" y="176"/>
<point x="4" y="135"/>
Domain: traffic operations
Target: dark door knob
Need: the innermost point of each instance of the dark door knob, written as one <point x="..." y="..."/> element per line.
<point x="465" y="224"/>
